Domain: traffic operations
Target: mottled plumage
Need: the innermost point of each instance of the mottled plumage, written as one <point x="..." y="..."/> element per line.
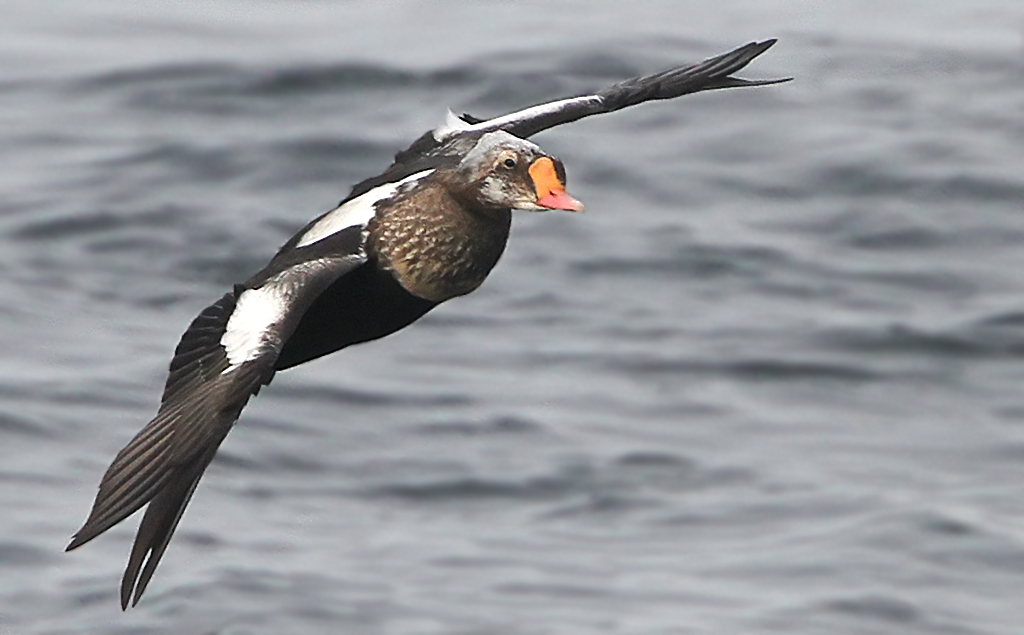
<point x="430" y="228"/>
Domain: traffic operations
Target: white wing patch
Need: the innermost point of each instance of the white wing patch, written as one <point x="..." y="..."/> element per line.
<point x="256" y="311"/>
<point x="453" y="124"/>
<point x="254" y="326"/>
<point x="358" y="211"/>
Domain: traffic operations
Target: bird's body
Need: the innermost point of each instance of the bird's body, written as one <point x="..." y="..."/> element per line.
<point x="430" y="228"/>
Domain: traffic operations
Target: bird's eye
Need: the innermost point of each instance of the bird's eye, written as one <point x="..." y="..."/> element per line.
<point x="510" y="162"/>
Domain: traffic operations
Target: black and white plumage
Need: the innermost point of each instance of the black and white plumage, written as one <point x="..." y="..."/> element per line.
<point x="429" y="228"/>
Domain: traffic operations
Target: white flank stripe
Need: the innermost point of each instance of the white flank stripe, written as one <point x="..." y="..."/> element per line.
<point x="448" y="128"/>
<point x="358" y="211"/>
<point x="256" y="311"/>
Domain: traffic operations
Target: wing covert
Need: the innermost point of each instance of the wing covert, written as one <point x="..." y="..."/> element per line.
<point x="442" y="146"/>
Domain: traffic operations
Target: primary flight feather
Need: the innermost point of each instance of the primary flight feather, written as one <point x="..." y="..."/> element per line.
<point x="429" y="228"/>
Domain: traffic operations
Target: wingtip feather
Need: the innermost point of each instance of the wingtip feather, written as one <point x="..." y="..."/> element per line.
<point x="74" y="544"/>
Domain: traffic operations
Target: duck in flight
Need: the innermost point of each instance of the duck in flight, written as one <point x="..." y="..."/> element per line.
<point x="428" y="229"/>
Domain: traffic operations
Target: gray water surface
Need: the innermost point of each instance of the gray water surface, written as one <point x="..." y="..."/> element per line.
<point x="770" y="382"/>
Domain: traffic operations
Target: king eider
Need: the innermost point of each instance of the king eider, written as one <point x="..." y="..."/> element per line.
<point x="430" y="228"/>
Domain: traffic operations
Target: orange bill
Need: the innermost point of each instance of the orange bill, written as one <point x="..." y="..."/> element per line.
<point x="550" y="190"/>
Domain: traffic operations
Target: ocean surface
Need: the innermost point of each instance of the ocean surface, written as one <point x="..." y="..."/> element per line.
<point x="772" y="381"/>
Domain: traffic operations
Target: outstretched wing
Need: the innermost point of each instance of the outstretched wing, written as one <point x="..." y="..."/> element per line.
<point x="225" y="356"/>
<point x="711" y="74"/>
<point x="450" y="141"/>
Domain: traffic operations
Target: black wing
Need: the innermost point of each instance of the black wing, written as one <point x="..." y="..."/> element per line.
<point x="226" y="355"/>
<point x="711" y="74"/>
<point x="447" y="143"/>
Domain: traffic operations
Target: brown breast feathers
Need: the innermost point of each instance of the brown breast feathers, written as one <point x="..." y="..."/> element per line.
<point x="437" y="247"/>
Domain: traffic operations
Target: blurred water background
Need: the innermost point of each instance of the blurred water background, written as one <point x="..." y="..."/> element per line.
<point x="770" y="382"/>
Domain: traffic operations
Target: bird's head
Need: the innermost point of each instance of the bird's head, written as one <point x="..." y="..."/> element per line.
<point x="503" y="171"/>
